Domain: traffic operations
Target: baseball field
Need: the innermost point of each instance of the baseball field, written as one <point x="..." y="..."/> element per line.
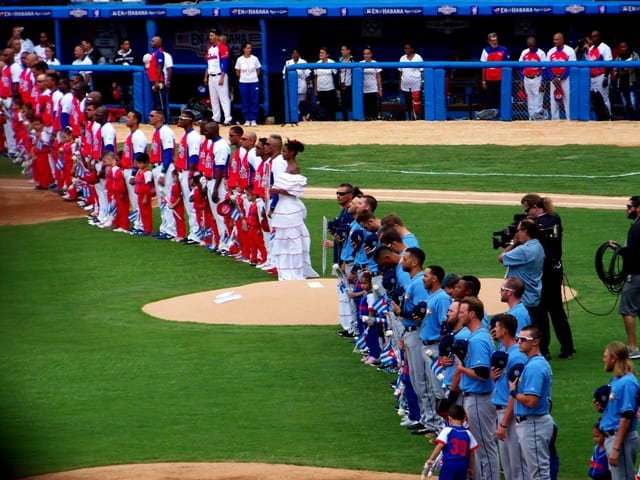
<point x="93" y="386"/>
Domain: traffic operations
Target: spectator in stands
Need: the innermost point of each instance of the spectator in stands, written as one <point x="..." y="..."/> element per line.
<point x="372" y="87"/>
<point x="82" y="59"/>
<point x="122" y="84"/>
<point x="346" y="88"/>
<point x="248" y="70"/>
<point x="627" y="82"/>
<point x="325" y="86"/>
<point x="492" y="76"/>
<point x="95" y="55"/>
<point x="410" y="79"/>
<point x="40" y="48"/>
<point x="50" y="56"/>
<point x="303" y="75"/>
<point x="26" y="45"/>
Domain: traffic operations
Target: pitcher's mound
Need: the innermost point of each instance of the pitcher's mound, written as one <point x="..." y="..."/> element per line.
<point x="301" y="302"/>
<point x="219" y="471"/>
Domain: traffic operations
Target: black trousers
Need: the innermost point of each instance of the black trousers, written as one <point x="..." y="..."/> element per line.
<point x="329" y="102"/>
<point x="551" y="306"/>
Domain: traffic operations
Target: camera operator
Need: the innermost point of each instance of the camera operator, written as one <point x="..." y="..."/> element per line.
<point x="551" y="305"/>
<point x="524" y="258"/>
<point x="630" y="301"/>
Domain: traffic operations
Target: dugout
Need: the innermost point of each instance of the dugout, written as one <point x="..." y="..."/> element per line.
<point x="440" y="30"/>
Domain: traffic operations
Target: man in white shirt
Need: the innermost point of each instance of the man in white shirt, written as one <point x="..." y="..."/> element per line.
<point x="216" y="78"/>
<point x="599" y="75"/>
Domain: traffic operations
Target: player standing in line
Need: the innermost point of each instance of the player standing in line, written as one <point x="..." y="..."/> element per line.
<point x="532" y="395"/>
<point x="619" y="420"/>
<point x="186" y="164"/>
<point x="216" y="78"/>
<point x="560" y="87"/>
<point x="201" y="203"/>
<point x="144" y="192"/>
<point x="510" y="453"/>
<point x="475" y="381"/>
<point x="216" y="187"/>
<point x="176" y="206"/>
<point x="104" y="139"/>
<point x="163" y="142"/>
<point x="532" y="79"/>
<point x="134" y="145"/>
<point x="458" y="447"/>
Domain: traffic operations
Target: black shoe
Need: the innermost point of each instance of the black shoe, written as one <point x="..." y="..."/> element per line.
<point x="419" y="431"/>
<point x="567" y="355"/>
<point x="342" y="332"/>
<point x="417" y="426"/>
<point x="347" y="334"/>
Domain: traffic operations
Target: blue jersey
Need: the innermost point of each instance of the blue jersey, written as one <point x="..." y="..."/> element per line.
<point x="414" y="294"/>
<point x="535" y="380"/>
<point x="525" y="262"/>
<point x="438" y="303"/>
<point x="478" y="355"/>
<point x="347" y="253"/>
<point x="410" y="241"/>
<point x="522" y="316"/>
<point x="599" y="469"/>
<point x="359" y="256"/>
<point x="458" y="443"/>
<point x="344" y="220"/>
<point x="621" y="399"/>
<point x="402" y="278"/>
<point x="463" y="334"/>
<point x="501" y="390"/>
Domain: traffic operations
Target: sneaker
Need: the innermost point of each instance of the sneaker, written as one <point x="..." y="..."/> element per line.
<point x="634" y="353"/>
<point x="407" y="422"/>
<point x="247" y="123"/>
<point x="254" y="123"/>
<point x="373" y="361"/>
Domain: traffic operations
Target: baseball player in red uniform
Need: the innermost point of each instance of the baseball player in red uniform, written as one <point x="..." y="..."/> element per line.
<point x="116" y="187"/>
<point x="560" y="88"/>
<point x="134" y="145"/>
<point x="186" y="163"/>
<point x="145" y="191"/>
<point x="163" y="142"/>
<point x="216" y="78"/>
<point x="176" y="205"/>
<point x="532" y="79"/>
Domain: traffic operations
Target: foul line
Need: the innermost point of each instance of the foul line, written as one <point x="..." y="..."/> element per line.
<point x="327" y="168"/>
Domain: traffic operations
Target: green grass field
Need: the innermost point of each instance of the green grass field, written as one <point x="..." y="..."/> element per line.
<point x="88" y="379"/>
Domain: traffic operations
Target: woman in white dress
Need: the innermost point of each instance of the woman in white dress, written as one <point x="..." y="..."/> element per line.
<point x="291" y="243"/>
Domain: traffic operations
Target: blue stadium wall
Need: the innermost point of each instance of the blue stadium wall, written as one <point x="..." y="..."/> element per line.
<point x="440" y="30"/>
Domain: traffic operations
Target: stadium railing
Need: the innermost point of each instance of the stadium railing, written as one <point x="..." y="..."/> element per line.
<point x="435" y="97"/>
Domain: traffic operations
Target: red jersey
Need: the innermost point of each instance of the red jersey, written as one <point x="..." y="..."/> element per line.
<point x="253" y="220"/>
<point x="261" y="179"/>
<point x="558" y="56"/>
<point x="27" y="87"/>
<point x="594" y="54"/>
<point x="126" y="161"/>
<point x="205" y="159"/>
<point x="155" y="71"/>
<point x="144" y="180"/>
<point x="531" y="57"/>
<point x="176" y="194"/>
<point x="44" y="108"/>
<point x="96" y="146"/>
<point x="5" y="82"/>
<point x="183" y="153"/>
<point x="76" y="117"/>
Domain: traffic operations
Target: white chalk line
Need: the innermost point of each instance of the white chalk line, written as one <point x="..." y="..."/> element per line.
<point x="326" y="168"/>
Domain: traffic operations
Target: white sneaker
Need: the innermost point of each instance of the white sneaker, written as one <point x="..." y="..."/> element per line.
<point x="408" y="423"/>
<point x="254" y="123"/>
<point x="247" y="123"/>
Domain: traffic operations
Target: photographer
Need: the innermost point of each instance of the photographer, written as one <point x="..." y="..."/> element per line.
<point x="551" y="305"/>
<point x="524" y="258"/>
<point x="630" y="301"/>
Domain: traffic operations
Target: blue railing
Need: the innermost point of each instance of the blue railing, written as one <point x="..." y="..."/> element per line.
<point x="434" y="89"/>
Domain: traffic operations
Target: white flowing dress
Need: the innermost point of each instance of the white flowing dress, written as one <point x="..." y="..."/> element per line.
<point x="291" y="243"/>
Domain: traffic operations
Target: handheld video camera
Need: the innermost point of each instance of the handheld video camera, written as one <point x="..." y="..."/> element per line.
<point x="502" y="237"/>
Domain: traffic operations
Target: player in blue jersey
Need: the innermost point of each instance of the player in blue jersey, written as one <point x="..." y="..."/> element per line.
<point x="415" y="293"/>
<point x="458" y="447"/>
<point x="532" y="406"/>
<point x="477" y="388"/>
<point x="511" y="292"/>
<point x="394" y="221"/>
<point x="619" y="420"/>
<point x="510" y="454"/>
